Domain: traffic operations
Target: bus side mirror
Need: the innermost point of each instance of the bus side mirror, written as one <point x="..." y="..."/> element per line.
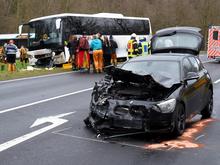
<point x="58" y="21"/>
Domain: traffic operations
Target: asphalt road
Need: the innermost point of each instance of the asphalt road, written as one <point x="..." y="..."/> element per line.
<point x="64" y="140"/>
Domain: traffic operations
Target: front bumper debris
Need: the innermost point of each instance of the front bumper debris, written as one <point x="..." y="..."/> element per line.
<point x="129" y="115"/>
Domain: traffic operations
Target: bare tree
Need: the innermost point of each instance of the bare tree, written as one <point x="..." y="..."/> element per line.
<point x="163" y="13"/>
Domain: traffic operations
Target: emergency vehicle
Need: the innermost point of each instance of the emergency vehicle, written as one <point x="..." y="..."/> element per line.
<point x="214" y="43"/>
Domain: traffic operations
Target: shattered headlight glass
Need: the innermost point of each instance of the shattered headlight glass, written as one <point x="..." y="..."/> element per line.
<point x="103" y="101"/>
<point x="167" y="106"/>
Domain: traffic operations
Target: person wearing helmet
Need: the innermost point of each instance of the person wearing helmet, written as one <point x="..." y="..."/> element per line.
<point x="132" y="46"/>
<point x="143" y="46"/>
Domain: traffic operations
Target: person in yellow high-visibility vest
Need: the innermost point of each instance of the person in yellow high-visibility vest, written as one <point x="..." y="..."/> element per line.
<point x="132" y="46"/>
<point x="143" y="46"/>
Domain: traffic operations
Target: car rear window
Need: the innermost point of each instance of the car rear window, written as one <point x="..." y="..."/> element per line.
<point x="178" y="40"/>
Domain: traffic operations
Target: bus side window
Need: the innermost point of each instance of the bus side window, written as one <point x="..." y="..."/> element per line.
<point x="89" y="25"/>
<point x="215" y="35"/>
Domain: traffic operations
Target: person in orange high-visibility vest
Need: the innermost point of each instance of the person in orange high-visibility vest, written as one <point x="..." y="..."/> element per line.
<point x="132" y="46"/>
<point x="83" y="55"/>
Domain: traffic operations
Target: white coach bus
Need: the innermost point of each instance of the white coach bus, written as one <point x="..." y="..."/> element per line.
<point x="58" y="28"/>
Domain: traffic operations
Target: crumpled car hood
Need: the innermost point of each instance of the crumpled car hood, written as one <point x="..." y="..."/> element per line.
<point x="152" y="81"/>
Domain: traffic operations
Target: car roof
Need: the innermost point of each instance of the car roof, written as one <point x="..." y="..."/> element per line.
<point x="161" y="57"/>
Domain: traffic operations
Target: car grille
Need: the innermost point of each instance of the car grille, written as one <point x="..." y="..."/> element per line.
<point x="138" y="111"/>
<point x="135" y="110"/>
<point x="121" y="110"/>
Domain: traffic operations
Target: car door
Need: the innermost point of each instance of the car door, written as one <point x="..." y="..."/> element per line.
<point x="191" y="92"/>
<point x="203" y="81"/>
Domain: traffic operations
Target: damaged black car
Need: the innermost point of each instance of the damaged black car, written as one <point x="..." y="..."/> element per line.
<point x="155" y="93"/>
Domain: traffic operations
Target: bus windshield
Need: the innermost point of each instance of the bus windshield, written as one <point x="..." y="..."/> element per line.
<point x="45" y="33"/>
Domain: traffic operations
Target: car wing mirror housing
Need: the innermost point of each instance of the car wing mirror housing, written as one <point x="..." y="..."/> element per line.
<point x="191" y="76"/>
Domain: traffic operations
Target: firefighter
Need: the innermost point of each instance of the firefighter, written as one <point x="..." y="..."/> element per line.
<point x="143" y="46"/>
<point x="132" y="46"/>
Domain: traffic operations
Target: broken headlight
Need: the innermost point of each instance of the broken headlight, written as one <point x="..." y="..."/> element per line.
<point x="167" y="106"/>
<point x="103" y="101"/>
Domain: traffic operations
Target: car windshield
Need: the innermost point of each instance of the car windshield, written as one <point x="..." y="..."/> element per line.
<point x="168" y="69"/>
<point x="177" y="40"/>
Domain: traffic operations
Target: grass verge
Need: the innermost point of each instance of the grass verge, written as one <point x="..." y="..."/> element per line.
<point x="22" y="73"/>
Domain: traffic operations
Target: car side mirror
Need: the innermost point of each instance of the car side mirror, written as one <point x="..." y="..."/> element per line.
<point x="191" y="76"/>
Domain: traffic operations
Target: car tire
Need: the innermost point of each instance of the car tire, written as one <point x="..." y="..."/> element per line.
<point x="207" y="111"/>
<point x="180" y="121"/>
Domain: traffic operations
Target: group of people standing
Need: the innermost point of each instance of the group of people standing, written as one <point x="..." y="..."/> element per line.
<point x="8" y="55"/>
<point x="98" y="50"/>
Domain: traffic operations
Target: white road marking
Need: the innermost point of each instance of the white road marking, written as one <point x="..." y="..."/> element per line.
<point x="170" y="148"/>
<point x="198" y="137"/>
<point x="43" y="101"/>
<point x="36" y="77"/>
<point x="55" y="120"/>
<point x="217" y="81"/>
<point x="204" y="62"/>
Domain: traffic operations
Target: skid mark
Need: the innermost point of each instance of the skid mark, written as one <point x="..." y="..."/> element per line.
<point x="187" y="140"/>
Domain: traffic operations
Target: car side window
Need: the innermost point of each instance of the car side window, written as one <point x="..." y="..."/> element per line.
<point x="187" y="67"/>
<point x="195" y="65"/>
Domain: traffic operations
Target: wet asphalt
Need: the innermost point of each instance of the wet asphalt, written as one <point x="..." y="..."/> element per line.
<point x="73" y="144"/>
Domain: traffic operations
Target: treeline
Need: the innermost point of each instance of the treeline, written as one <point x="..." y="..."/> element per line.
<point x="163" y="13"/>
